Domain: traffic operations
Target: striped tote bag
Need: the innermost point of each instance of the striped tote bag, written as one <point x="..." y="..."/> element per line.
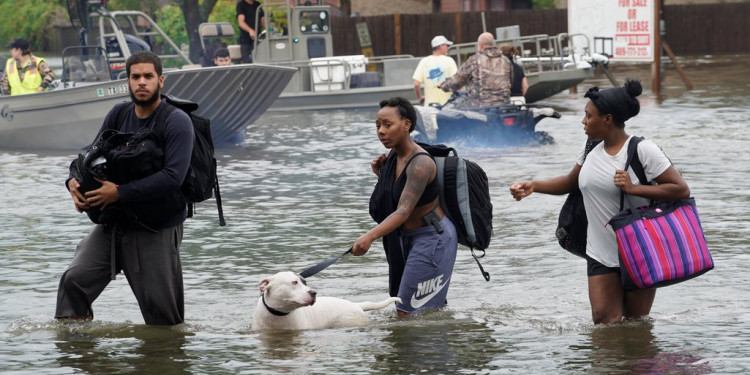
<point x="661" y="244"/>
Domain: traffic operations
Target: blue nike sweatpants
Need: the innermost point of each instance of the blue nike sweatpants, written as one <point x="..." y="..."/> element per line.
<point x="429" y="266"/>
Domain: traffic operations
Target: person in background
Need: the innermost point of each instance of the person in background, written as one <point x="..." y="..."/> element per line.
<point x="148" y="256"/>
<point x="222" y="58"/>
<point x="420" y="241"/>
<point x="519" y="84"/>
<point x="246" y="11"/>
<point x="487" y="75"/>
<point x="25" y="73"/>
<point x="601" y="179"/>
<point x="3" y="60"/>
<point x="433" y="70"/>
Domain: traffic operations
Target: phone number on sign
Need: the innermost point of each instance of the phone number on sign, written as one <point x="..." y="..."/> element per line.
<point x="632" y="52"/>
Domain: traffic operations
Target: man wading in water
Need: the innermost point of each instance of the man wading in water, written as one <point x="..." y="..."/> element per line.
<point x="149" y="257"/>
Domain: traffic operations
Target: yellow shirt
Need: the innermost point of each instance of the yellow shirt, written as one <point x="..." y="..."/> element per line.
<point x="431" y="71"/>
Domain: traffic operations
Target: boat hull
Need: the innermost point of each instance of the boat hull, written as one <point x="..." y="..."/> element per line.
<point x="341" y="99"/>
<point x="542" y="85"/>
<point x="68" y="119"/>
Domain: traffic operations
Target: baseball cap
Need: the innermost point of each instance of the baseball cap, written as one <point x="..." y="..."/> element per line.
<point x="438" y="40"/>
<point x="21" y="43"/>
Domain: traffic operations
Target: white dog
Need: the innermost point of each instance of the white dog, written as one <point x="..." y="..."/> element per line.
<point x="287" y="303"/>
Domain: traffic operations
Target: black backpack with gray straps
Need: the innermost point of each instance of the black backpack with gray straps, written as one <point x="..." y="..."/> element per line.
<point x="201" y="181"/>
<point x="465" y="198"/>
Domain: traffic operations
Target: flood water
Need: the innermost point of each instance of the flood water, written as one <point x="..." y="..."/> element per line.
<point x="296" y="193"/>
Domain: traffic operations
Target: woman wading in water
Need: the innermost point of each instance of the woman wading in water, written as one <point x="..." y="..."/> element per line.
<point x="420" y="241"/>
<point x="601" y="178"/>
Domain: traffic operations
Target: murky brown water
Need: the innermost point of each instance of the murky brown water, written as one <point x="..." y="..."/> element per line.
<point x="296" y="193"/>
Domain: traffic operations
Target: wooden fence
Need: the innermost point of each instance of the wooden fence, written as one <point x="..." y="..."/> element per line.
<point x="690" y="29"/>
<point x="708" y="29"/>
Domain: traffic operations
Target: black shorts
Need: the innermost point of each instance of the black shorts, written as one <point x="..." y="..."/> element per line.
<point x="595" y="268"/>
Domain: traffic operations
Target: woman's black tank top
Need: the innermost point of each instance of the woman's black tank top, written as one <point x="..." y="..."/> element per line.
<point x="430" y="190"/>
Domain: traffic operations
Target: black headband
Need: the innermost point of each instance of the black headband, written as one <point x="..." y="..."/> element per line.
<point x="616" y="101"/>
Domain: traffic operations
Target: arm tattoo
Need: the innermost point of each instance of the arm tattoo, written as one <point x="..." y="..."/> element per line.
<point x="418" y="174"/>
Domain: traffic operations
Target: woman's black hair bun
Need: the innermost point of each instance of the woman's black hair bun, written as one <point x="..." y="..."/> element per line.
<point x="633" y="87"/>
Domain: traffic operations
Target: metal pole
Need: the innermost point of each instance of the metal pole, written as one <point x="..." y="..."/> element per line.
<point x="459" y="36"/>
<point x="397" y="32"/>
<point x="668" y="50"/>
<point x="656" y="65"/>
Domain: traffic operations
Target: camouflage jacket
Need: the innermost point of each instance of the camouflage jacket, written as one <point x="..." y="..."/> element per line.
<point x="487" y="76"/>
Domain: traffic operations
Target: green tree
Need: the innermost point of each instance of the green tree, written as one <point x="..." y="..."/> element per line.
<point x="170" y="20"/>
<point x="195" y="12"/>
<point x="29" y="20"/>
<point x="543" y="4"/>
<point x="181" y="19"/>
<point x="148" y="6"/>
<point x="225" y="11"/>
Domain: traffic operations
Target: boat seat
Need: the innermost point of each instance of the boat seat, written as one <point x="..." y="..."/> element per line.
<point x="215" y="35"/>
<point x="216" y="30"/>
<point x="235" y="53"/>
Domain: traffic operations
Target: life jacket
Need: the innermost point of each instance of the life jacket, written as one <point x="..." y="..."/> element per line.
<point x="32" y="78"/>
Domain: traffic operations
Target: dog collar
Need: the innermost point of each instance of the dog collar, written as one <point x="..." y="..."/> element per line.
<point x="271" y="310"/>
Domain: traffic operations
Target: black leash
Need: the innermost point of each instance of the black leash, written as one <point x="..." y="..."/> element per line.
<point x="322" y="265"/>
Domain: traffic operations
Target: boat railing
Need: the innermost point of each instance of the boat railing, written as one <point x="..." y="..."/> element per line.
<point x="336" y="73"/>
<point x="111" y="26"/>
<point x="539" y="53"/>
<point x="576" y="46"/>
<point x="330" y="75"/>
<point x="381" y="59"/>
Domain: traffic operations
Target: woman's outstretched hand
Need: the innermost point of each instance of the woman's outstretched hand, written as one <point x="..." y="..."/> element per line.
<point x="521" y="190"/>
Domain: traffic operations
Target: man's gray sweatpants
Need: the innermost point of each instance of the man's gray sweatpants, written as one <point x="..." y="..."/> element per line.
<point x="150" y="262"/>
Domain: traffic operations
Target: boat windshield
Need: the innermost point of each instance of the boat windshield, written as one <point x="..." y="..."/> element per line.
<point x="314" y="22"/>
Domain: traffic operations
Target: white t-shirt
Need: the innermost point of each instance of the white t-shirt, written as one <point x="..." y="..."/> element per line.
<point x="602" y="197"/>
<point x="431" y="71"/>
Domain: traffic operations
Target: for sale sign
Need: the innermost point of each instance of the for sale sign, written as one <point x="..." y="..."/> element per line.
<point x="621" y="29"/>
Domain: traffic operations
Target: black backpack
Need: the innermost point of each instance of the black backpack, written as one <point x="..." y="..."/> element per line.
<point x="572" y="223"/>
<point x="201" y="181"/>
<point x="121" y="158"/>
<point x="465" y="198"/>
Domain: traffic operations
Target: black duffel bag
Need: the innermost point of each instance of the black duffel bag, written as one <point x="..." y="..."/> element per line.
<point x="120" y="158"/>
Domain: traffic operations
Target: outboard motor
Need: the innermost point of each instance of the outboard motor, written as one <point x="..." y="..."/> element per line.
<point x="134" y="45"/>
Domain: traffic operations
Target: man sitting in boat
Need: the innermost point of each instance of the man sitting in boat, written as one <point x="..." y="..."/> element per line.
<point x="487" y="75"/>
<point x="25" y="73"/>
